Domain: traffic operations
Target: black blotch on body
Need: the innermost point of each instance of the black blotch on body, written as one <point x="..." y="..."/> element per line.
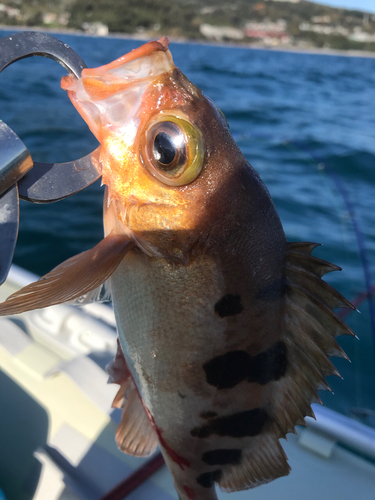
<point x="222" y="457"/>
<point x="242" y="424"/>
<point x="229" y="305"/>
<point x="208" y="414"/>
<point x="228" y="370"/>
<point x="269" y="365"/>
<point x="182" y="396"/>
<point x="208" y="479"/>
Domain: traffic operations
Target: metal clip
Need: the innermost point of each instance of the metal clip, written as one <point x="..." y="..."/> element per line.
<point x="15" y="159"/>
<point x="19" y="175"/>
<point x="15" y="162"/>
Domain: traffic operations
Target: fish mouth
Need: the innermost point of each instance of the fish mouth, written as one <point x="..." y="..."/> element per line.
<point x="93" y="95"/>
<point x="143" y="51"/>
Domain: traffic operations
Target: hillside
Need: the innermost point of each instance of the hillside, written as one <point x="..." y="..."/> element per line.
<point x="297" y="23"/>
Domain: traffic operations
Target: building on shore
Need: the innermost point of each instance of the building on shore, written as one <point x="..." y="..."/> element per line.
<point x="220" y="33"/>
<point x="269" y="33"/>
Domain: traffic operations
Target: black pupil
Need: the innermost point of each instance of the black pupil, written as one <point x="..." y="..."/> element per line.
<point x="164" y="149"/>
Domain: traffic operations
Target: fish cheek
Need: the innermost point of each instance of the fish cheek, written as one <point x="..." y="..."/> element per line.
<point x="166" y="216"/>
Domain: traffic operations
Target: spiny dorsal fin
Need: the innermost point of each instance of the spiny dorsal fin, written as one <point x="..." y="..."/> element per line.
<point x="314" y="361"/>
<point x="318" y="310"/>
<point x="313" y="355"/>
<point x="313" y="264"/>
<point x="305" y="322"/>
<point x="71" y="279"/>
<point x="309" y="329"/>
<point x="317" y="287"/>
<point x="302" y="246"/>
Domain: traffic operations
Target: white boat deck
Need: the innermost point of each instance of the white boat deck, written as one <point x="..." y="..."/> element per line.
<point x="57" y="426"/>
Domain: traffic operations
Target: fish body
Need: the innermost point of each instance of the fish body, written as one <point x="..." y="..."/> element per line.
<point x="225" y="329"/>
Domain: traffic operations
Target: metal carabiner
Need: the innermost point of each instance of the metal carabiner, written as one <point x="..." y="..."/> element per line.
<point x="19" y="175"/>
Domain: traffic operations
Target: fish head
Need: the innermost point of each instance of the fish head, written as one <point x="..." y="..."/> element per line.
<point x="171" y="167"/>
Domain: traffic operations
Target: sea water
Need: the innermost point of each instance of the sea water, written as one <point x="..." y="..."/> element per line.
<point x="306" y="122"/>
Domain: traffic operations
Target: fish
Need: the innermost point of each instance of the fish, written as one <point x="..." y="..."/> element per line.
<point x="225" y="329"/>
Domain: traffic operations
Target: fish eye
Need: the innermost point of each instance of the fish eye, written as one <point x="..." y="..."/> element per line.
<point x="169" y="146"/>
<point x="172" y="149"/>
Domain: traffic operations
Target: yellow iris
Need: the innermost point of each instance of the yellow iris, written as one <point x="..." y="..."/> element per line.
<point x="172" y="148"/>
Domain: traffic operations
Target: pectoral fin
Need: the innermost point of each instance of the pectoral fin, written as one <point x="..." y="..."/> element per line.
<point x="73" y="278"/>
<point x="101" y="294"/>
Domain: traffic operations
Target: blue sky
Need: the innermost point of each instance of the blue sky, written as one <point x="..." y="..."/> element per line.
<point x="366" y="5"/>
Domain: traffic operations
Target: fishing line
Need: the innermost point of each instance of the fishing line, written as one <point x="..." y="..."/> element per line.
<point x="341" y="188"/>
<point x="358" y="232"/>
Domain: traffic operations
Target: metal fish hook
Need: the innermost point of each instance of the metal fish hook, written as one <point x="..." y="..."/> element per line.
<point x="19" y="175"/>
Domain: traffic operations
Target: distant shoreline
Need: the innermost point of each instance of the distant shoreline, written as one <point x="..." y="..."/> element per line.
<point x="128" y="36"/>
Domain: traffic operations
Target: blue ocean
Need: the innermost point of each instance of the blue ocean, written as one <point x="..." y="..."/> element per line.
<point x="306" y="123"/>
